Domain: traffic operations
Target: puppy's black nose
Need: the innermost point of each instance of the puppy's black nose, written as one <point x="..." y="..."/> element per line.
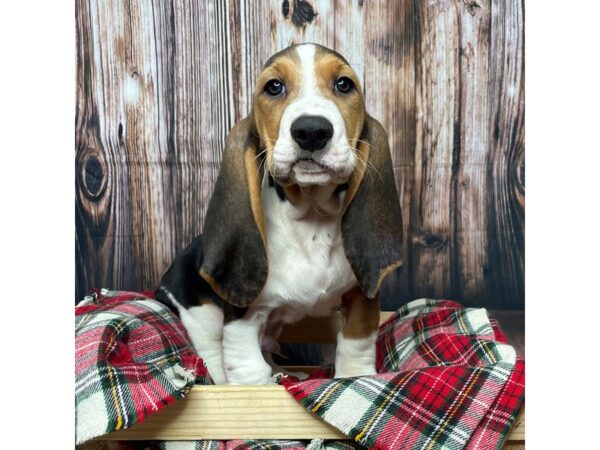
<point x="311" y="132"/>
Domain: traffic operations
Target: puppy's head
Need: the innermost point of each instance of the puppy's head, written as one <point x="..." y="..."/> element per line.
<point x="309" y="113"/>
<point x="308" y="122"/>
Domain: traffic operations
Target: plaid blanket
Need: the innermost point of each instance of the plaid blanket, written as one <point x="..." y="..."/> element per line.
<point x="446" y="378"/>
<point x="133" y="357"/>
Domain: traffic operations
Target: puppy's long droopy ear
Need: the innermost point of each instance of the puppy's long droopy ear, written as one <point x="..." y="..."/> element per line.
<point x="233" y="239"/>
<point x="372" y="223"/>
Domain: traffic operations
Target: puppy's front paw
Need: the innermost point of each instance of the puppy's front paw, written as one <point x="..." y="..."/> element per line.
<point x="248" y="372"/>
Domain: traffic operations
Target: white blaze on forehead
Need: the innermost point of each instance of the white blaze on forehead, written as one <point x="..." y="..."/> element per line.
<point x="306" y="53"/>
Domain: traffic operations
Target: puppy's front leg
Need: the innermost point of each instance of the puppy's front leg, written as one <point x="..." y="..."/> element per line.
<point x="242" y="356"/>
<point x="355" y="352"/>
<point x="204" y="325"/>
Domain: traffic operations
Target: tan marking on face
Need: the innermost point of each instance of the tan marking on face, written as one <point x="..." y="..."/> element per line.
<point x="361" y="314"/>
<point x="290" y="68"/>
<point x="329" y="68"/>
<point x="268" y="110"/>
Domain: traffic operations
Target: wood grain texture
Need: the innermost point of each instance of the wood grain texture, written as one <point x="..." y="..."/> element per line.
<point x="159" y="84"/>
<point x="231" y="412"/>
<point x="242" y="412"/>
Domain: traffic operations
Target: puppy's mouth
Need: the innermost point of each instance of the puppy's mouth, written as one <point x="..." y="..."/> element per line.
<point x="306" y="170"/>
<point x="308" y="166"/>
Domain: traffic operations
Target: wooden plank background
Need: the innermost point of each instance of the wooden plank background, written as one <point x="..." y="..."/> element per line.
<point x="159" y="84"/>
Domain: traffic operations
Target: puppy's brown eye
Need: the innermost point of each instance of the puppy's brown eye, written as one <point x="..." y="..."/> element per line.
<point x="344" y="85"/>
<point x="274" y="88"/>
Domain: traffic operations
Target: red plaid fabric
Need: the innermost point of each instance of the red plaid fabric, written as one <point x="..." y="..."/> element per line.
<point x="446" y="380"/>
<point x="132" y="358"/>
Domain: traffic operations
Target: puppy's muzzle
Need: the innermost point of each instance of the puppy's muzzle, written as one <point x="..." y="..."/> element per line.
<point x="311" y="132"/>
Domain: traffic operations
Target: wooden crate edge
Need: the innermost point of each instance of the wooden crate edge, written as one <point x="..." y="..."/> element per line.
<point x="227" y="402"/>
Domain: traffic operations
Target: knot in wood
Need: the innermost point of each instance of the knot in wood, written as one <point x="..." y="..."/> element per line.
<point x="92" y="174"/>
<point x="472" y="6"/>
<point x="430" y="240"/>
<point x="285" y="8"/>
<point x="303" y="13"/>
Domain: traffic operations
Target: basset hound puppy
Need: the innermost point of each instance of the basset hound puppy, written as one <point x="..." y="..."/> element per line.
<point x="304" y="220"/>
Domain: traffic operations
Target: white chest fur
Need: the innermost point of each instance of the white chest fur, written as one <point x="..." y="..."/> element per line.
<point x="308" y="273"/>
<point x="308" y="269"/>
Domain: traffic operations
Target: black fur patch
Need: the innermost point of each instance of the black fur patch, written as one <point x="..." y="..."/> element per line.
<point x="183" y="282"/>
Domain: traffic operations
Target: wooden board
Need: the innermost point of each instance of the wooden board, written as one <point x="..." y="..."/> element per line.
<point x="159" y="84"/>
<point x="232" y="412"/>
<point x="241" y="412"/>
